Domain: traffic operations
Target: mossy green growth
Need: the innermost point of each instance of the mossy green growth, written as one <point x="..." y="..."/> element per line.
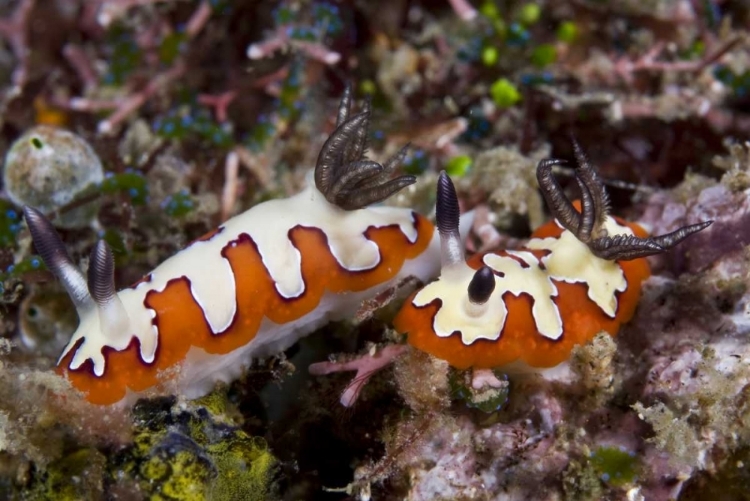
<point x="487" y="400"/>
<point x="184" y="122"/>
<point x="504" y="93"/>
<point x="529" y="14"/>
<point x="178" y="205"/>
<point x="739" y="83"/>
<point x="458" y="165"/>
<point x="25" y="265"/>
<point x="125" y="55"/>
<point x="543" y="55"/>
<point x="615" y="466"/>
<point x="516" y="35"/>
<point x="368" y="87"/>
<point x="303" y="33"/>
<point x="490" y="55"/>
<point x="567" y="32"/>
<point x="327" y="18"/>
<point x="260" y="134"/>
<point x="131" y="182"/>
<point x="115" y="241"/>
<point x="416" y="162"/>
<point x="290" y="97"/>
<point x="16" y="271"/>
<point x="489" y="9"/>
<point x="696" y="50"/>
<point x="9" y="224"/>
<point x="77" y="476"/>
<point x="172" y="46"/>
<point x="284" y="15"/>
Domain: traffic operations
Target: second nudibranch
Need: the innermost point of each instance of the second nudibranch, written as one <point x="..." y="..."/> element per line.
<point x="251" y="287"/>
<point x="527" y="308"/>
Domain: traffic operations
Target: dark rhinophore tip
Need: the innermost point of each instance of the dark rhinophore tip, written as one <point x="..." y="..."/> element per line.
<point x="53" y="253"/>
<point x="447" y="212"/>
<point x="448" y="217"/>
<point x="671" y="239"/>
<point x="482" y="285"/>
<point x="101" y="279"/>
<point x="46" y="240"/>
<point x="627" y="247"/>
<point x="345" y="107"/>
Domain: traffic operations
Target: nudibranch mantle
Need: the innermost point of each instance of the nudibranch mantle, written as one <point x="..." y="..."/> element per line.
<point x="580" y="274"/>
<point x="205" y="265"/>
<point x="248" y="289"/>
<point x="570" y="260"/>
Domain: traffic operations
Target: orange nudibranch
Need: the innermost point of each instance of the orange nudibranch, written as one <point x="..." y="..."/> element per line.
<point x="577" y="276"/>
<point x="250" y="288"/>
<point x="538" y="312"/>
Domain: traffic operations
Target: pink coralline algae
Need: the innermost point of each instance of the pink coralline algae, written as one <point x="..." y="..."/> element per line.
<point x="730" y="233"/>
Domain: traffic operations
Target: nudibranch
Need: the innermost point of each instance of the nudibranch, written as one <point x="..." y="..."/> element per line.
<point x="527" y="308"/>
<point x="248" y="289"/>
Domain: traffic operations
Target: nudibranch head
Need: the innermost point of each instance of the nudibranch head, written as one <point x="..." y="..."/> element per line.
<point x="578" y="275"/>
<point x="248" y="289"/>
